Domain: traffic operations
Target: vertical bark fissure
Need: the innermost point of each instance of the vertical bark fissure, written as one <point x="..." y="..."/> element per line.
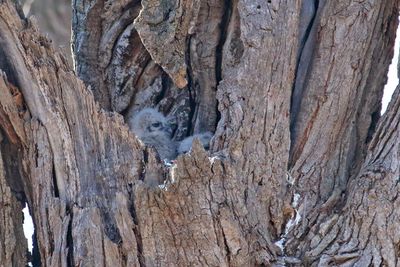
<point x="375" y="116"/>
<point x="190" y="85"/>
<point x="307" y="32"/>
<point x="297" y="91"/>
<point x="70" y="239"/>
<point x="36" y="260"/>
<point x="56" y="191"/>
<point x="136" y="229"/>
<point x="228" y="251"/>
<point x="226" y="18"/>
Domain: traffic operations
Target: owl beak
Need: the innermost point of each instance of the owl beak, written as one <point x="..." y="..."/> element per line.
<point x="168" y="130"/>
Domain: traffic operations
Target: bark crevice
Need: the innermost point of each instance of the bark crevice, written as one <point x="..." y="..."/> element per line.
<point x="69" y="238"/>
<point x="190" y="86"/>
<point x="224" y="25"/>
<point x="308" y="25"/>
<point x="56" y="191"/>
<point x="136" y="228"/>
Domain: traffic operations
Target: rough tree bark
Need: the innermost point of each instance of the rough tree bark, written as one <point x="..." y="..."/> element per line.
<point x="301" y="170"/>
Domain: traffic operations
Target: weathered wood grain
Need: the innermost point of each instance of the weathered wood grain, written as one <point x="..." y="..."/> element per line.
<point x="100" y="198"/>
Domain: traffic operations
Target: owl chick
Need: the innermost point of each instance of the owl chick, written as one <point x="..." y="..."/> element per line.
<point x="186" y="144"/>
<point x="153" y="129"/>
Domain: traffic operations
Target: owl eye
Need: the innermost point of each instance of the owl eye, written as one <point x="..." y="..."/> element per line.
<point x="156" y="124"/>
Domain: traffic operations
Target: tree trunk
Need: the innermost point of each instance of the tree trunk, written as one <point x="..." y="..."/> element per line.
<point x="301" y="169"/>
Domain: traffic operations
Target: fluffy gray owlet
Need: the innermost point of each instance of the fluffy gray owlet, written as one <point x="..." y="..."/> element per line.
<point x="153" y="129"/>
<point x="186" y="144"/>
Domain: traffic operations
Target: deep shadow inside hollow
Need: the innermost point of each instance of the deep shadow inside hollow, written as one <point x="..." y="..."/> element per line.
<point x="166" y="123"/>
<point x="180" y="109"/>
<point x="192" y="111"/>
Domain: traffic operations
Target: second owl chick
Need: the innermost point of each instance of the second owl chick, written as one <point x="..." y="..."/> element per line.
<point x="153" y="129"/>
<point x="186" y="144"/>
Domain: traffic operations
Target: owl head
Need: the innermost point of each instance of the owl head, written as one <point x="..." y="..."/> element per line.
<point x="150" y="122"/>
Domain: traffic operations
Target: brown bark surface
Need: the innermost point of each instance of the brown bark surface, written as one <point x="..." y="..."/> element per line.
<point x="301" y="170"/>
<point x="13" y="246"/>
